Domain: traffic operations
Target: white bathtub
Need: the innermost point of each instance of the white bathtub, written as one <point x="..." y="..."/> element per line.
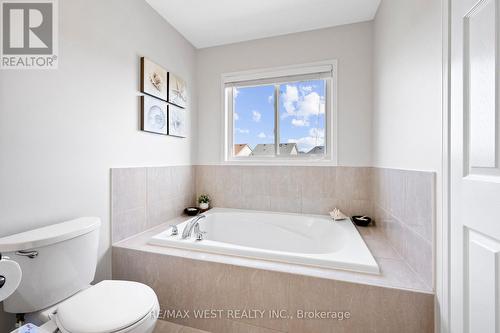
<point x="312" y="240"/>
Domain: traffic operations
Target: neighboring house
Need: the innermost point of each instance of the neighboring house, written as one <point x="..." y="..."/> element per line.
<point x="242" y="150"/>
<point x="268" y="149"/>
<point x="317" y="150"/>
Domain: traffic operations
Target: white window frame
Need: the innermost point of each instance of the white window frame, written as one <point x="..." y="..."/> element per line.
<point x="272" y="76"/>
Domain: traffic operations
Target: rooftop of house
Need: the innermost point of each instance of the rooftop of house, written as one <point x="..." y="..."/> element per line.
<point x="239" y="147"/>
<point x="317" y="150"/>
<point x="268" y="149"/>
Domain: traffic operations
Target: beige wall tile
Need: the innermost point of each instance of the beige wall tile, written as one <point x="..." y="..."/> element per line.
<point x="257" y="289"/>
<point x="154" y="195"/>
<point x="186" y="284"/>
<point x="352" y="207"/>
<point x="128" y="223"/>
<point x="162" y="211"/>
<point x="256" y="202"/>
<point x="256" y="180"/>
<point x="409" y="195"/>
<point x="160" y="184"/>
<point x="397" y="193"/>
<point x="314" y="205"/>
<point x="285" y="204"/>
<point x="353" y="183"/>
<point x="372" y="309"/>
<point x="128" y="188"/>
<point x="163" y="326"/>
<point x="237" y="327"/>
<point x="205" y="180"/>
<point x="419" y="203"/>
<point x="187" y="329"/>
<point x="285" y="181"/>
<point x="419" y="255"/>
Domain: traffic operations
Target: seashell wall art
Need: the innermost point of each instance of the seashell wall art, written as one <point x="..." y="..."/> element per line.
<point x="163" y="107"/>
<point x="154" y="115"/>
<point x="177" y="90"/>
<point x="153" y="79"/>
<point x="176" y="121"/>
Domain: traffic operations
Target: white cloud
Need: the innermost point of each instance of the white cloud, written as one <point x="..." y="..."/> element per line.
<point x="317" y="132"/>
<point x="300" y="122"/>
<point x="311" y="104"/>
<point x="261" y="135"/>
<point x="236" y="92"/>
<point x="290" y="98"/>
<point x="270" y="99"/>
<point x="316" y="138"/>
<point x="256" y="116"/>
<point x="307" y="88"/>
<point x="242" y="130"/>
<point x="236" y="116"/>
<point x="303" y="105"/>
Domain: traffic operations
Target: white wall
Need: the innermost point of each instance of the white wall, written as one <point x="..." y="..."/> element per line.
<point x="407" y="85"/>
<point x="62" y="130"/>
<point x="407" y="114"/>
<point x="350" y="44"/>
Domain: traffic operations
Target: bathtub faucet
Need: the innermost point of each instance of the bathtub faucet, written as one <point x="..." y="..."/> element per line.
<point x="188" y="229"/>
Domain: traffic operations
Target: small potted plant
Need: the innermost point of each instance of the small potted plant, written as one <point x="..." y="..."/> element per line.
<point x="204" y="201"/>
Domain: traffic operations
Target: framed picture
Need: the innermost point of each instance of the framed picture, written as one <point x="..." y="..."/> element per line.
<point x="153" y="79"/>
<point x="177" y="90"/>
<point x="177" y="121"/>
<point x="154" y="115"/>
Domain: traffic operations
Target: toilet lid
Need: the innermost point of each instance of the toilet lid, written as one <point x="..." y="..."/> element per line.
<point x="106" y="307"/>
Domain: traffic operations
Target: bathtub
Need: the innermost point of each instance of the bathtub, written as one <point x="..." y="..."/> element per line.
<point x="312" y="240"/>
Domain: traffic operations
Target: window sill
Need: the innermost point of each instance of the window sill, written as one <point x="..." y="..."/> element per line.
<point x="281" y="161"/>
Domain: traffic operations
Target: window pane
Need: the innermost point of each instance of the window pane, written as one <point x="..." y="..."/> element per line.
<point x="302" y="118"/>
<point x="253" y="114"/>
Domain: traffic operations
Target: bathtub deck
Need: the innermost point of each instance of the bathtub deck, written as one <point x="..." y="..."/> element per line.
<point x="395" y="272"/>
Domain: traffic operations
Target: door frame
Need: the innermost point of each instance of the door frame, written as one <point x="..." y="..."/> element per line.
<point x="443" y="242"/>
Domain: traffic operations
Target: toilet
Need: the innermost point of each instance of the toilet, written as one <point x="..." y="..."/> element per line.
<point x="58" y="264"/>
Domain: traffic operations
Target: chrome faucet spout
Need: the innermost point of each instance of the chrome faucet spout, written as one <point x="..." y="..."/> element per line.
<point x="188" y="229"/>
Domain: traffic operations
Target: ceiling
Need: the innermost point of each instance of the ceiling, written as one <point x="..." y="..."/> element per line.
<point x="208" y="23"/>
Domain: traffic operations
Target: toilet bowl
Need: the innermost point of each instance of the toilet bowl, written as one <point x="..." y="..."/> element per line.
<point x="58" y="264"/>
<point x="109" y="307"/>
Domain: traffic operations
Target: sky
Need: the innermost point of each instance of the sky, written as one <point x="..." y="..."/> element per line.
<point x="301" y="114"/>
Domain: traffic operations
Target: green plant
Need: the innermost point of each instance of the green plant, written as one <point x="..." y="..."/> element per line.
<point x="204" y="198"/>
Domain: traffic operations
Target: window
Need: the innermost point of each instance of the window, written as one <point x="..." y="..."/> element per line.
<point x="283" y="114"/>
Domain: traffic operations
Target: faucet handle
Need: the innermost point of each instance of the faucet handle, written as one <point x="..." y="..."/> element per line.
<point x="175" y="231"/>
<point x="200" y="235"/>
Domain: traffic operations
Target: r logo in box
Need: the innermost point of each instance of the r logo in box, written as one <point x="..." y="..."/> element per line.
<point x="29" y="34"/>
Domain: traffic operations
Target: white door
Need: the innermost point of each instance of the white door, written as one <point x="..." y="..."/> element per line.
<point x="475" y="167"/>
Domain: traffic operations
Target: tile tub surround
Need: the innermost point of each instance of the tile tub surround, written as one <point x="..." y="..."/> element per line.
<point x="404" y="208"/>
<point x="400" y="201"/>
<point x="292" y="189"/>
<point x="142" y="198"/>
<point x="186" y="280"/>
<point x="163" y="326"/>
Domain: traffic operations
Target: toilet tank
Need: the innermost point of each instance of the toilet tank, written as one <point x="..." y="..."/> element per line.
<point x="57" y="261"/>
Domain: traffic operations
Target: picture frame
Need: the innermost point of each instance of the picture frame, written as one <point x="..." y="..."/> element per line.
<point x="177" y="90"/>
<point x="154" y="79"/>
<point x="154" y="115"/>
<point x="177" y="121"/>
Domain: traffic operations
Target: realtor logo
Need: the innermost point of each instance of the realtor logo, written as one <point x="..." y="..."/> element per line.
<point x="29" y="34"/>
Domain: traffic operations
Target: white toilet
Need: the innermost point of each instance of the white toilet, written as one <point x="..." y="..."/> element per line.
<point x="58" y="263"/>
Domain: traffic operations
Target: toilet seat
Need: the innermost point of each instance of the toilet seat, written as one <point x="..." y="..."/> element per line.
<point x="107" y="307"/>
